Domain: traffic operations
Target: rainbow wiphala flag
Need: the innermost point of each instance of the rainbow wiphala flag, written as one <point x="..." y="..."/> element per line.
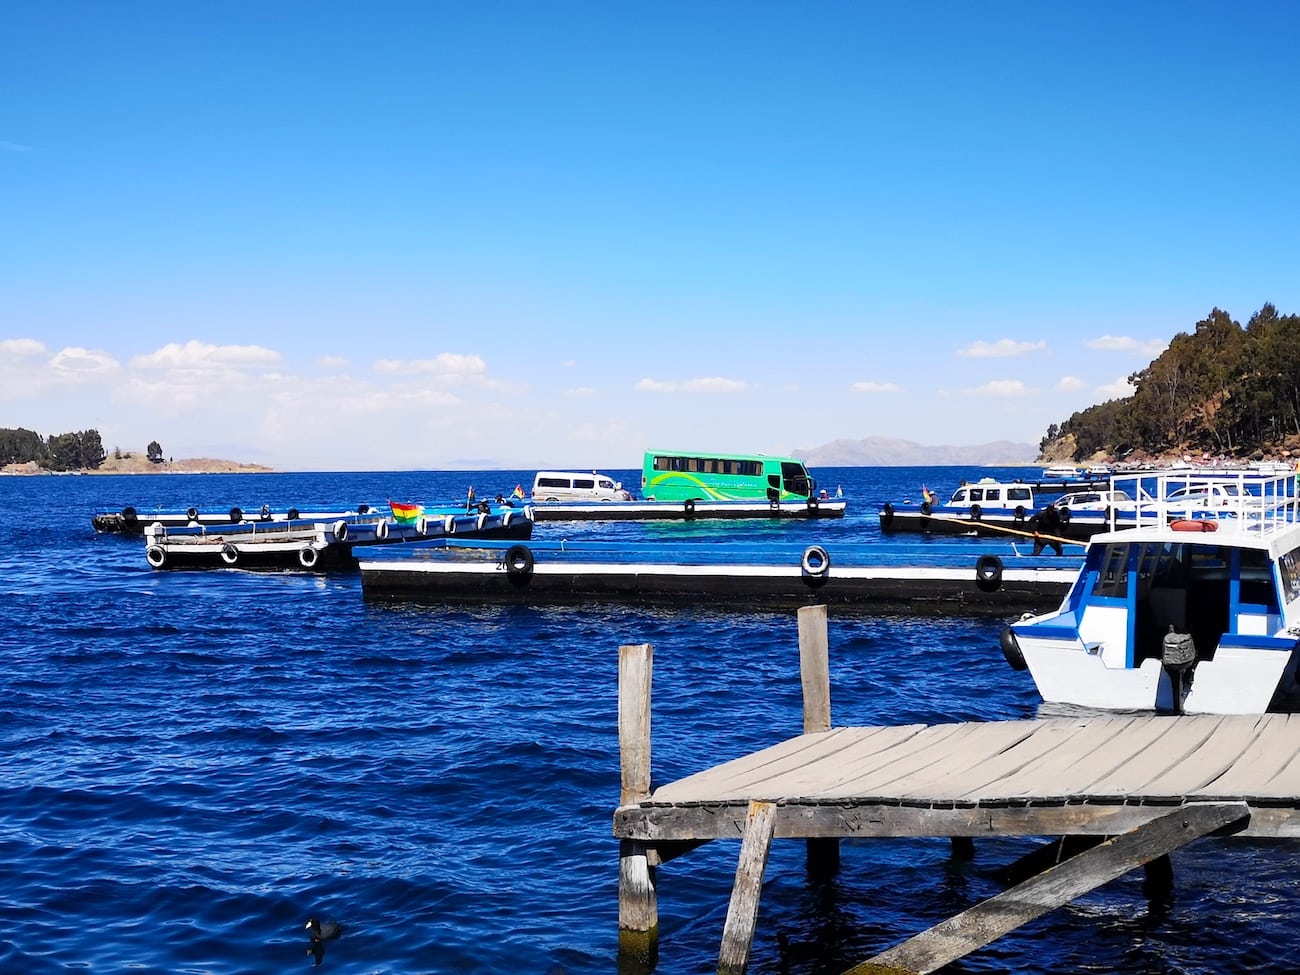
<point x="406" y="514"/>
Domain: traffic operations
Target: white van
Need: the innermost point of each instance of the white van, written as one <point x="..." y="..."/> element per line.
<point x="568" y="486"/>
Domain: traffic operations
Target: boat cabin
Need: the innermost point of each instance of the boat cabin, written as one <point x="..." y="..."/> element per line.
<point x="1196" y="613"/>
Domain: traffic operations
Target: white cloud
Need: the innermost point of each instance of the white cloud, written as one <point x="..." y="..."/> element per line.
<point x="202" y="355"/>
<point x="21" y="348"/>
<point x="1002" y="388"/>
<point x="1118" y="389"/>
<point x="874" y="387"/>
<point x="1000" y="349"/>
<point x="80" y="363"/>
<point x="581" y="391"/>
<point x="445" y="365"/>
<point x="332" y="362"/>
<point x="1069" y="384"/>
<point x="1122" y="343"/>
<point x="711" y="384"/>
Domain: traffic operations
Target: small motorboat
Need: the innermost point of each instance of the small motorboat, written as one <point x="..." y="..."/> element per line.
<point x="1195" y="609"/>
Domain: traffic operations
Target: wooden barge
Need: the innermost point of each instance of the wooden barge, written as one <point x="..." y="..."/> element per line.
<point x="1112" y="793"/>
<point x="317" y="546"/>
<point x="686" y="510"/>
<point x="131" y="520"/>
<point x="982" y="585"/>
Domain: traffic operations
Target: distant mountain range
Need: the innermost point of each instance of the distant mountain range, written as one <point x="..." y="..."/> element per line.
<point x="892" y="452"/>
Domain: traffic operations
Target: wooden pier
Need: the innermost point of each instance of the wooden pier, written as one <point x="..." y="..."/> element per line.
<point x="1113" y="792"/>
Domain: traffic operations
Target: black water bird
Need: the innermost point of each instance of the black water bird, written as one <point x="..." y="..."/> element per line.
<point x="320" y="930"/>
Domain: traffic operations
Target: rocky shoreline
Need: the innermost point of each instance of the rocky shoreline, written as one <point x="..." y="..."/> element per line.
<point x="139" y="464"/>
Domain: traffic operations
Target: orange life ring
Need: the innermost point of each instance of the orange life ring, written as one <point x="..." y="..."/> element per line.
<point x="1194" y="525"/>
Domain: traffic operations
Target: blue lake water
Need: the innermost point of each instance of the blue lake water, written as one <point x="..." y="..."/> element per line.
<point x="193" y="763"/>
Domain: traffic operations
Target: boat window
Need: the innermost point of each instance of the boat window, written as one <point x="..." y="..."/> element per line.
<point x="1257" y="580"/>
<point x="1112" y="580"/>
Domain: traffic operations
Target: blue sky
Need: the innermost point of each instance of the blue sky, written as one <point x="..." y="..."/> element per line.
<point x="339" y="236"/>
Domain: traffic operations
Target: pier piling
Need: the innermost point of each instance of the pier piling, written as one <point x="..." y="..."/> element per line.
<point x="638" y="909"/>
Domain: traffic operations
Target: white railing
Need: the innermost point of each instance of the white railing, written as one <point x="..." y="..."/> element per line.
<point x="1250" y="501"/>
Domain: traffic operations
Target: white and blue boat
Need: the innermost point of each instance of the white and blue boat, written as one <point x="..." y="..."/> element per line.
<point x="1195" y="608"/>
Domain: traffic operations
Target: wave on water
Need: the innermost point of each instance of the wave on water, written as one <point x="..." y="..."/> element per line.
<point x="194" y="763"/>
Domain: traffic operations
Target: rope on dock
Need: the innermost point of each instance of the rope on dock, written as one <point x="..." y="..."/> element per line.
<point x="985" y="526"/>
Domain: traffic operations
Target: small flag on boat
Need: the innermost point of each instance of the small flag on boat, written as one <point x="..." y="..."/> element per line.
<point x="928" y="494"/>
<point x="519" y="491"/>
<point x="406" y="514"/>
<point x="469" y="498"/>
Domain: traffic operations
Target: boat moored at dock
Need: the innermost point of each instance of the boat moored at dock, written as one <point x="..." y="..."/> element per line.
<point x="317" y="546"/>
<point x="133" y="520"/>
<point x="1196" y="608"/>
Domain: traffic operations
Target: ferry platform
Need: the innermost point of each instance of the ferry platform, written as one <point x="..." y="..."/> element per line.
<point x="960" y="580"/>
<point x="686" y="510"/>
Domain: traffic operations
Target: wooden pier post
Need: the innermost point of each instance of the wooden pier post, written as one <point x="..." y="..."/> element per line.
<point x="638" y="909"/>
<point x="742" y="913"/>
<point x="815" y="676"/>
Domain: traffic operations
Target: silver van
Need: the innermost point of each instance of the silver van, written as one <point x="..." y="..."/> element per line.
<point x="569" y="486"/>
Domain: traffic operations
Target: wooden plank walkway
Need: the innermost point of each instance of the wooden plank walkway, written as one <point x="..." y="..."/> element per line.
<point x="1016" y="778"/>
<point x="1159" y="781"/>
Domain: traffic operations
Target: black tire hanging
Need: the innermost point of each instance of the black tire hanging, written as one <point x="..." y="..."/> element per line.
<point x="1011" y="649"/>
<point x="988" y="573"/>
<point x="518" y="561"/>
<point x="815" y="561"/>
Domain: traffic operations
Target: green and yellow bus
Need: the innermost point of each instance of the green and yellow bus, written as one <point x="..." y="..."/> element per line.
<point x="671" y="475"/>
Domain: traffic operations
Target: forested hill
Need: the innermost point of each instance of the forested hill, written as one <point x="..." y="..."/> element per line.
<point x="1221" y="389"/>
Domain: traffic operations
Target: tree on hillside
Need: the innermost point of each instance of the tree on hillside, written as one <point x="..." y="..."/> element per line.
<point x="76" y="451"/>
<point x="154" y="452"/>
<point x="1221" y="388"/>
<point x="21" y="446"/>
